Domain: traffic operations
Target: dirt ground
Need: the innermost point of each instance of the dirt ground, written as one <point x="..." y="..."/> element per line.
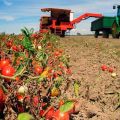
<point x="99" y="91"/>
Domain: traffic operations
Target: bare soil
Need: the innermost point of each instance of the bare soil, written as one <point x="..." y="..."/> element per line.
<point x="99" y="92"/>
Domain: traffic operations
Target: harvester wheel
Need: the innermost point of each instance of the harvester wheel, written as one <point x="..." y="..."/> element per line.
<point x="63" y="33"/>
<point x="114" y="31"/>
<point x="96" y="34"/>
<point x="105" y="34"/>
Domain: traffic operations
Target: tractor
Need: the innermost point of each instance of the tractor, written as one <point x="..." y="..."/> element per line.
<point x="107" y="25"/>
<point x="61" y="20"/>
<point x="116" y="23"/>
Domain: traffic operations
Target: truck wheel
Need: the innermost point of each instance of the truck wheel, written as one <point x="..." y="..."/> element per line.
<point x="96" y="34"/>
<point x="105" y="34"/>
<point x="114" y="31"/>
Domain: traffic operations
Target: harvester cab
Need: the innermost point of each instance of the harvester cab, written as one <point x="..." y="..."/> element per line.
<point x="57" y="21"/>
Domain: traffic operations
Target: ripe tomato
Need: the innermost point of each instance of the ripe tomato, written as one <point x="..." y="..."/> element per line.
<point x="110" y="70"/>
<point x="9" y="43"/>
<point x="15" y="48"/>
<point x="20" y="98"/>
<point x="8" y="71"/>
<point x="59" y="72"/>
<point x="2" y="100"/>
<point x="61" y="102"/>
<point x="60" y="116"/>
<point x="55" y="75"/>
<point x="4" y="62"/>
<point x="68" y="71"/>
<point x="49" y="114"/>
<point x="2" y="96"/>
<point x="41" y="113"/>
<point x="104" y="67"/>
<point x="35" y="101"/>
<point x="38" y="70"/>
<point x="35" y="35"/>
<point x="56" y="54"/>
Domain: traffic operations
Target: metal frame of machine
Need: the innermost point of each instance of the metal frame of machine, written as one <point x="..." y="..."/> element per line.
<point x="60" y="20"/>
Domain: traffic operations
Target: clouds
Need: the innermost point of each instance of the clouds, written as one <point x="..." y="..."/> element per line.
<point x="16" y="28"/>
<point x="27" y="12"/>
<point x="7" y="2"/>
<point x="7" y="18"/>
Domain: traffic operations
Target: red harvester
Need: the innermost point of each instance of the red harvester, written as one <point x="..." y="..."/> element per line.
<point x="61" y="20"/>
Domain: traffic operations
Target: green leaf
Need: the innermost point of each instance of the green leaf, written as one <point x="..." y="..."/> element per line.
<point x="27" y="44"/>
<point x="25" y="116"/>
<point x="65" y="60"/>
<point x="20" y="67"/>
<point x="68" y="105"/>
<point x="27" y="41"/>
<point x="76" y="89"/>
<point x="58" y="81"/>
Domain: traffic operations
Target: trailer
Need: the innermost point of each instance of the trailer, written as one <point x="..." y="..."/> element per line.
<point x="107" y="25"/>
<point x="103" y="25"/>
<point x="61" y="20"/>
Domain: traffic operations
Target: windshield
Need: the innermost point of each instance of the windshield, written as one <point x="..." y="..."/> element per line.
<point x="118" y="13"/>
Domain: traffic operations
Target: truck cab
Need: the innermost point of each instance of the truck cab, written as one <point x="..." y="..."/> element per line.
<point x="118" y="11"/>
<point x="116" y="23"/>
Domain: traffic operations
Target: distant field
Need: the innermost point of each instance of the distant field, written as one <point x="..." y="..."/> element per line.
<point x="99" y="91"/>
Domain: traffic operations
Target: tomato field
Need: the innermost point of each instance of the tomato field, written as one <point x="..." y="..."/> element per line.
<point x="34" y="73"/>
<point x="44" y="77"/>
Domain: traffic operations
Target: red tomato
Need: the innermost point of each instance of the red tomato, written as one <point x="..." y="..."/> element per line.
<point x="20" y="98"/>
<point x="2" y="100"/>
<point x="27" y="98"/>
<point x="15" y="48"/>
<point x="9" y="43"/>
<point x="110" y="70"/>
<point x="60" y="116"/>
<point x="4" y="62"/>
<point x="104" y="67"/>
<point x="41" y="112"/>
<point x="68" y="71"/>
<point x="8" y="71"/>
<point x="35" y="35"/>
<point x="56" y="54"/>
<point x="59" y="72"/>
<point x="2" y="96"/>
<point x="55" y="75"/>
<point x="35" y="101"/>
<point x="49" y="114"/>
<point x="38" y="70"/>
<point x="17" y="78"/>
<point x="61" y="102"/>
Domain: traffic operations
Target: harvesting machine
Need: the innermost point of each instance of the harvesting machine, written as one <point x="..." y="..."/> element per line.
<point x="61" y="20"/>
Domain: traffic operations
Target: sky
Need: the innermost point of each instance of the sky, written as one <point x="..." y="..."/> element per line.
<point x="16" y="14"/>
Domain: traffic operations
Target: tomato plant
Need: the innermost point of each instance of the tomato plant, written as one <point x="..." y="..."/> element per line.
<point x="32" y="70"/>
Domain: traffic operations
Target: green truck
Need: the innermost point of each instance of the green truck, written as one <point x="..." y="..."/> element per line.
<point x="107" y="25"/>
